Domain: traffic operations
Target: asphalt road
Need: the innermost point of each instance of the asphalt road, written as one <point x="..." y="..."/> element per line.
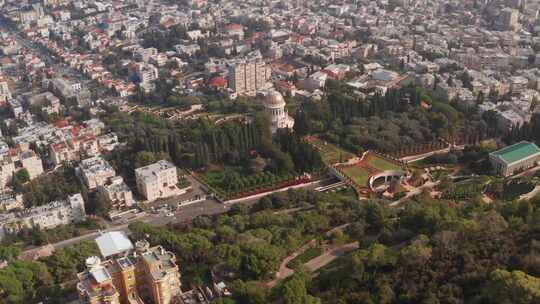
<point x="188" y="213"/>
<point x="183" y="214"/>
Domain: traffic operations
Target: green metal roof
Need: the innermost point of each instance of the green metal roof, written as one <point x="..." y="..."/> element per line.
<point x="517" y="152"/>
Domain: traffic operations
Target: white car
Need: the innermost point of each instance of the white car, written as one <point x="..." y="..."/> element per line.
<point x="170" y="214"/>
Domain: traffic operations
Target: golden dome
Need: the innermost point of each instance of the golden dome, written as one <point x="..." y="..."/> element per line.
<point x="274" y="99"/>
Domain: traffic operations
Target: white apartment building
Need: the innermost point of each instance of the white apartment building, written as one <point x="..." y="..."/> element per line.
<point x="31" y="14"/>
<point x="47" y="101"/>
<point x="518" y="84"/>
<point x="187" y="50"/>
<point x="94" y="126"/>
<point x="64" y="151"/>
<point x="5" y="93"/>
<point x="508" y="20"/>
<point x="157" y="180"/>
<point x="108" y="142"/>
<point x="48" y="216"/>
<point x="94" y="172"/>
<point x="15" y="107"/>
<point x="116" y="192"/>
<point x="32" y="163"/>
<point x="147" y="73"/>
<point x="246" y="78"/>
<point x="55" y="3"/>
<point x="74" y="149"/>
<point x="10" y="201"/>
<point x="21" y="159"/>
<point x="7" y="168"/>
<point x="145" y="54"/>
<point x="159" y="59"/>
<point x="4" y="148"/>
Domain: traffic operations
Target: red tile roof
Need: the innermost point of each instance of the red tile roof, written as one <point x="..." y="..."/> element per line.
<point x="218" y="81"/>
<point x="233" y="27"/>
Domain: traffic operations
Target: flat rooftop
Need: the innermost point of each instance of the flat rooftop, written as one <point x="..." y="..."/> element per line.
<point x="517" y="152"/>
<point x="151" y="171"/>
<point x="114" y="242"/>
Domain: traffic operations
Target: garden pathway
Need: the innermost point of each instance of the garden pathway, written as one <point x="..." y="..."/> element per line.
<point x="316" y="263"/>
<point x="413" y="158"/>
<point x="330" y="255"/>
<point x="414" y="192"/>
<point x="284" y="271"/>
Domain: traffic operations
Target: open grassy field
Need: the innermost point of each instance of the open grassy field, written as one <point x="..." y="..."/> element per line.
<point x="358" y="174"/>
<point x="382" y="164"/>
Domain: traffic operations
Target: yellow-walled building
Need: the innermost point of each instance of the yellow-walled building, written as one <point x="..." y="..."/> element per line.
<point x="129" y="275"/>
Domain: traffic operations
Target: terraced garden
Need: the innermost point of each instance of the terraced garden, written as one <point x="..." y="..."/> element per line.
<point x="381" y="164"/>
<point x="330" y="153"/>
<point x="358" y="174"/>
<point x="371" y="165"/>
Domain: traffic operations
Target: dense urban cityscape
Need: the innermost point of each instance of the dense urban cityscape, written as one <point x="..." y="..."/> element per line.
<point x="269" y="151"/>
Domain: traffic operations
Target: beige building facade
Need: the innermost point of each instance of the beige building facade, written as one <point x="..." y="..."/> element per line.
<point x="130" y="275"/>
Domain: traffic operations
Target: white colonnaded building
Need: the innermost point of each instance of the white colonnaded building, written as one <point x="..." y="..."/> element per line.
<point x="274" y="105"/>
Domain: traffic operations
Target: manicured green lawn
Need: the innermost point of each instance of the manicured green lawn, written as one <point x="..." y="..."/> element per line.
<point x="335" y="155"/>
<point x="305" y="257"/>
<point x="330" y="153"/>
<point x="357" y="174"/>
<point x="382" y="164"/>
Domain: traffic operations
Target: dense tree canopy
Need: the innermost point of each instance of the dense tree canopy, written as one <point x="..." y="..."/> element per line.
<point x="442" y="252"/>
<point x="250" y="244"/>
<point x="31" y="282"/>
<point x="402" y="118"/>
<point x="197" y="144"/>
